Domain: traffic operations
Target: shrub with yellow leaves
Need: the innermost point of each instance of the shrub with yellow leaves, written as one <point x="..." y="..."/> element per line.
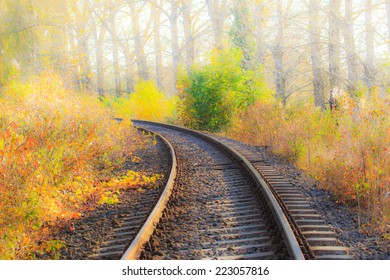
<point x="147" y="102"/>
<point x="55" y="147"/>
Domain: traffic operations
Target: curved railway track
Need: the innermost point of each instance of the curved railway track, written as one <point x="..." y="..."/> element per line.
<point x="145" y="211"/>
<point x="316" y="237"/>
<point x="224" y="203"/>
<point x="217" y="209"/>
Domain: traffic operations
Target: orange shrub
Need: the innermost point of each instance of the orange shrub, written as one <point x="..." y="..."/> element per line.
<point x="56" y="147"/>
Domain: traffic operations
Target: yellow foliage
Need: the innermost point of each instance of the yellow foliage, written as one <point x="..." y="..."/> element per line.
<point x="56" y="146"/>
<point x="146" y="103"/>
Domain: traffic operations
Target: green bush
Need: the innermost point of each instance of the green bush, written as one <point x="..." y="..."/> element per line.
<point x="210" y="96"/>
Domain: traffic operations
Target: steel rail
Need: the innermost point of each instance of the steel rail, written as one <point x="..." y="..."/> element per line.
<point x="289" y="238"/>
<point x="134" y="250"/>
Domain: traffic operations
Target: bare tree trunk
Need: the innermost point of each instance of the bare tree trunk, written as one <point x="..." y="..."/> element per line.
<point x="217" y="12"/>
<point x="58" y="47"/>
<point x="279" y="74"/>
<point x="157" y="41"/>
<point x="129" y="73"/>
<point x="139" y="51"/>
<point x="240" y="31"/>
<point x="277" y="52"/>
<point x="259" y="31"/>
<point x="334" y="43"/>
<point x="388" y="24"/>
<point x="81" y="33"/>
<point x="189" y="38"/>
<point x="73" y="79"/>
<point x="315" y="46"/>
<point x="100" y="60"/>
<point x="175" y="40"/>
<point x="85" y="66"/>
<point x="128" y="66"/>
<point x="115" y="56"/>
<point x="369" y="70"/>
<point x="349" y="39"/>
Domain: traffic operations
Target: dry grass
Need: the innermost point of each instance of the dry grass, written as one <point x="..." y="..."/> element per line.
<point x="348" y="150"/>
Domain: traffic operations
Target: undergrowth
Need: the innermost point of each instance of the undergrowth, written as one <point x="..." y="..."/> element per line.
<point x="210" y="96"/>
<point x="58" y="151"/>
<point x="347" y="150"/>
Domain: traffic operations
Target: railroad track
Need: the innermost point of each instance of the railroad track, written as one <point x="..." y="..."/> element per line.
<point x="222" y="202"/>
<point x="316" y="237"/>
<point x="216" y="209"/>
<point x="125" y="227"/>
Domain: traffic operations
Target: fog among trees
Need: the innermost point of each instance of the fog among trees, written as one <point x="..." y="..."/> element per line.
<point x="306" y="48"/>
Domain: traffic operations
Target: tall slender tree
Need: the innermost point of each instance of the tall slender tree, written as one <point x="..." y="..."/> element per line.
<point x="350" y="49"/>
<point x="156" y="10"/>
<point x="240" y="32"/>
<point x="188" y="33"/>
<point x="387" y="3"/>
<point x="217" y="10"/>
<point x="99" y="38"/>
<point x="129" y="68"/>
<point x="176" y="56"/>
<point x="259" y="17"/>
<point x="315" y="46"/>
<point x="142" y="66"/>
<point x="115" y="51"/>
<point x="277" y="52"/>
<point x="369" y="71"/>
<point x="334" y="43"/>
